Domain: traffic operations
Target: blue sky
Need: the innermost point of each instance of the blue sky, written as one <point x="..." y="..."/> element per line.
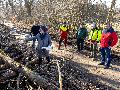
<point x="108" y="2"/>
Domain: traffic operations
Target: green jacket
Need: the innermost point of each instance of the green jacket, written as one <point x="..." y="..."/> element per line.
<point x="95" y="34"/>
<point x="81" y="33"/>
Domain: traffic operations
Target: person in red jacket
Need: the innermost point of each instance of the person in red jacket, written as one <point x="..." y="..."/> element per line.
<point x="109" y="39"/>
<point x="63" y="34"/>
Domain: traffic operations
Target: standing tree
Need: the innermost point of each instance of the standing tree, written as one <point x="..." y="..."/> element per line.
<point x="28" y="6"/>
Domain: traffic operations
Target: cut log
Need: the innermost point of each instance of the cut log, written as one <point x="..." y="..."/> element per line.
<point x="33" y="76"/>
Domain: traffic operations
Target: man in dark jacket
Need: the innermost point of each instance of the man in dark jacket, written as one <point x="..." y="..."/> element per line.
<point x="81" y="36"/>
<point x="109" y="39"/>
<point x="34" y="31"/>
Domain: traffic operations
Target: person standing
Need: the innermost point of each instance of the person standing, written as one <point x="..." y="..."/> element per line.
<point x="94" y="38"/>
<point x="44" y="42"/>
<point x="108" y="40"/>
<point x="63" y="34"/>
<point x="81" y="36"/>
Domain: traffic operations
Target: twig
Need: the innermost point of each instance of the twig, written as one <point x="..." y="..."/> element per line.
<point x="18" y="81"/>
<point x="30" y="88"/>
<point x="39" y="88"/>
<point x="60" y="78"/>
<point x="59" y="72"/>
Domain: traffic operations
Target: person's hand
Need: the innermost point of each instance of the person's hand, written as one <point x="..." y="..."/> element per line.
<point x="109" y="47"/>
<point x="43" y="47"/>
<point x="89" y="41"/>
<point x="95" y="42"/>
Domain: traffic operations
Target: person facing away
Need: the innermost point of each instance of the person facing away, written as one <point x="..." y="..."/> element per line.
<point x="108" y="40"/>
<point x="63" y="34"/>
<point x="44" y="40"/>
<point x="34" y="31"/>
<point x="94" y="38"/>
<point x="81" y="36"/>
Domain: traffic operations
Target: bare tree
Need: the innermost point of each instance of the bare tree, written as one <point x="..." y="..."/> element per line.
<point x="28" y="6"/>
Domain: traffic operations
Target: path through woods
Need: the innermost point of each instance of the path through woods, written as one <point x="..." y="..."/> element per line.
<point x="77" y="67"/>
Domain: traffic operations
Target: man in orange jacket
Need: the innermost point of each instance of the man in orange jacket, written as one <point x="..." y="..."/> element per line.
<point x="109" y="39"/>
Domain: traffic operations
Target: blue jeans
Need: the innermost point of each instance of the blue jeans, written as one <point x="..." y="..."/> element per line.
<point x="106" y="56"/>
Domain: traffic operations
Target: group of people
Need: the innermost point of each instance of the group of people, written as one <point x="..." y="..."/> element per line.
<point x="107" y="38"/>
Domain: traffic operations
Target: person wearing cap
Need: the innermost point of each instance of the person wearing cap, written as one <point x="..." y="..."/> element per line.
<point x="81" y="36"/>
<point x="34" y="31"/>
<point x="94" y="38"/>
<point x="44" y="42"/>
<point x="63" y="34"/>
<point x="108" y="40"/>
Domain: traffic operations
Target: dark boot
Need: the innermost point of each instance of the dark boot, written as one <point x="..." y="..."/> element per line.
<point x="102" y="63"/>
<point x="59" y="44"/>
<point x="48" y="59"/>
<point x="106" y="67"/>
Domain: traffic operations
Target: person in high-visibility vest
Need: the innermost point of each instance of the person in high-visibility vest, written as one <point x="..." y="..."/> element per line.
<point x="94" y="38"/>
<point x="109" y="39"/>
<point x="63" y="34"/>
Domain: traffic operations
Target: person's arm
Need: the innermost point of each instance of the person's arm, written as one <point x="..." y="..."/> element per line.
<point x="86" y="33"/>
<point x="31" y="30"/>
<point x="114" y="39"/>
<point x="90" y="35"/>
<point x="76" y="34"/>
<point x="31" y="38"/>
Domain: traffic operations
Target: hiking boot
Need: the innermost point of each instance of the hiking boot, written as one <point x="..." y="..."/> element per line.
<point x="90" y="56"/>
<point x="106" y="67"/>
<point x="101" y="63"/>
<point x="58" y="48"/>
<point x="48" y="59"/>
<point x="77" y="50"/>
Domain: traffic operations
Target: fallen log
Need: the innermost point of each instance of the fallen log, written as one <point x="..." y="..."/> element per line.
<point x="33" y="76"/>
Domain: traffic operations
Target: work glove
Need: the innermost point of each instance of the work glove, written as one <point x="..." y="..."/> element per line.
<point x="47" y="48"/>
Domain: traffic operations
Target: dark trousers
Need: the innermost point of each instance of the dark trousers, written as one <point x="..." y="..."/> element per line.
<point x="106" y="56"/>
<point x="93" y="50"/>
<point x="80" y="44"/>
<point x="61" y="40"/>
<point x="33" y="44"/>
<point x="43" y="53"/>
